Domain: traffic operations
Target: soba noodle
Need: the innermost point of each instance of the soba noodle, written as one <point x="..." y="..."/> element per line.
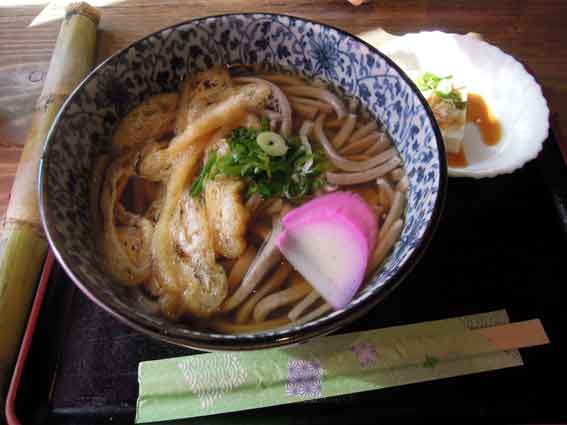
<point x="196" y="240"/>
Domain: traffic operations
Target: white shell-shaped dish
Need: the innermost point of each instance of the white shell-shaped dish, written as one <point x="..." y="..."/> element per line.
<point x="512" y="94"/>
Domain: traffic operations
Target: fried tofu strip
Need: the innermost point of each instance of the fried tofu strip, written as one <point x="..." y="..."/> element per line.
<point x="227" y="216"/>
<point x="153" y="119"/>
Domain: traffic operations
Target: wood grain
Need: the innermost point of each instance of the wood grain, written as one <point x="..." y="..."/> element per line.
<point x="532" y="31"/>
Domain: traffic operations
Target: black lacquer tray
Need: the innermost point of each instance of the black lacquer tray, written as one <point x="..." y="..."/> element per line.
<point x="501" y="244"/>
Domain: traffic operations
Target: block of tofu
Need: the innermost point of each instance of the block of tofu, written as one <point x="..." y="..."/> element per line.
<point x="447" y="98"/>
<point x="450" y="118"/>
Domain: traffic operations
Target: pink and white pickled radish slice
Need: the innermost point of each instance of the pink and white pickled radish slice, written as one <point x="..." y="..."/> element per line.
<point x="328" y="241"/>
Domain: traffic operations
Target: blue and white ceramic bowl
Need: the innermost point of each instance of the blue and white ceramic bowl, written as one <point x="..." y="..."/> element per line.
<point x="158" y="63"/>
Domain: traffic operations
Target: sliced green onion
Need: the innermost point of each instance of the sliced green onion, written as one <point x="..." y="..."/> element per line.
<point x="198" y="184"/>
<point x="445" y="87"/>
<point x="272" y="143"/>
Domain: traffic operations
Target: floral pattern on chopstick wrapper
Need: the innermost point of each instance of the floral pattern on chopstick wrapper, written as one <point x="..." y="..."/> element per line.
<point x="304" y="378"/>
<point x="159" y="62"/>
<point x="211" y="378"/>
<point x="365" y="353"/>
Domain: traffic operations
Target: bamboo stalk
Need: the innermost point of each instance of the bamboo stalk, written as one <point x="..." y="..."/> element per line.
<point x="22" y="243"/>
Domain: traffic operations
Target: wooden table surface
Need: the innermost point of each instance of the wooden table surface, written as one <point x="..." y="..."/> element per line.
<point x="532" y="31"/>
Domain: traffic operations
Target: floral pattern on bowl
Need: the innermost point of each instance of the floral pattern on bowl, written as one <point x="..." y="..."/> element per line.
<point x="158" y="63"/>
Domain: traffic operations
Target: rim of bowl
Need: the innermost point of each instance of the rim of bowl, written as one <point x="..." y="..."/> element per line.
<point x="210" y="341"/>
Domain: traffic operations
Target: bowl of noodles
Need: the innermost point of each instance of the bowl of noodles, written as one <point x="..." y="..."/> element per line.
<point x="242" y="181"/>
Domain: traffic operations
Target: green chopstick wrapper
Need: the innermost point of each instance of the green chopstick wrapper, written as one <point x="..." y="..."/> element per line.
<point x="220" y="382"/>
